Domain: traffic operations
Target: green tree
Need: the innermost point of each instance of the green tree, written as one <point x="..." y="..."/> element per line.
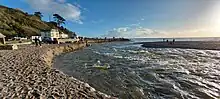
<point x="59" y="19"/>
<point x="38" y="14"/>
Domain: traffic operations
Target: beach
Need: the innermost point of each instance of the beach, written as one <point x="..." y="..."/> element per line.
<point x="114" y="49"/>
<point x="28" y="73"/>
<point x="203" y="45"/>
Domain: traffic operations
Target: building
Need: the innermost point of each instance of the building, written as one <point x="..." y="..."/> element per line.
<point x="63" y="35"/>
<point x="51" y="34"/>
<point x="2" y="38"/>
<point x="34" y="37"/>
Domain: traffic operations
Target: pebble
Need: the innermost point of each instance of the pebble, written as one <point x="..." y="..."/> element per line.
<point x="27" y="73"/>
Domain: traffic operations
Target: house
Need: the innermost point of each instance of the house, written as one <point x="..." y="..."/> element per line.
<point x="50" y="34"/>
<point x="2" y="38"/>
<point x="63" y="35"/>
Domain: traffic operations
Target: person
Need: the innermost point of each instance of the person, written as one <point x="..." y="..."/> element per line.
<point x="55" y="40"/>
<point x="40" y="40"/>
<point x="35" y="40"/>
<point x="173" y="41"/>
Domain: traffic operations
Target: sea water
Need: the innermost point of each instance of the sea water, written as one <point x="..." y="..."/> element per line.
<point x="137" y="72"/>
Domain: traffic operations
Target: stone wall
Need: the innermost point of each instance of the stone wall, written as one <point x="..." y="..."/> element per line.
<point x="52" y="52"/>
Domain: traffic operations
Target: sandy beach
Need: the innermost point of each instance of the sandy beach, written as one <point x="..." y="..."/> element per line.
<point x="204" y="45"/>
<point x="27" y="73"/>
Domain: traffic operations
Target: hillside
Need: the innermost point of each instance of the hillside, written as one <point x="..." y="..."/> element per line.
<point x="14" y="22"/>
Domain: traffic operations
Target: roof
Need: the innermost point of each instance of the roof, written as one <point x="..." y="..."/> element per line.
<point x="1" y="35"/>
<point x="48" y="30"/>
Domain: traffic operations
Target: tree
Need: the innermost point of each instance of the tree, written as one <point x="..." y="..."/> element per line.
<point x="74" y="34"/>
<point x="59" y="19"/>
<point x="38" y="14"/>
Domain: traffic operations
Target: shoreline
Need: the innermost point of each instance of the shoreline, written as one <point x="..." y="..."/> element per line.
<point x="28" y="73"/>
<point x="202" y="45"/>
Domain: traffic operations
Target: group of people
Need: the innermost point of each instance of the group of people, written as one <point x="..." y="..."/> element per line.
<point x="169" y="42"/>
<point x="38" y="40"/>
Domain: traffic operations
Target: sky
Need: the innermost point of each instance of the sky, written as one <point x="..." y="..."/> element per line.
<point x="131" y="18"/>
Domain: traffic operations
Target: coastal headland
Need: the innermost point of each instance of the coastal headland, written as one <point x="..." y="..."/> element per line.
<point x="203" y="45"/>
<point x="28" y="73"/>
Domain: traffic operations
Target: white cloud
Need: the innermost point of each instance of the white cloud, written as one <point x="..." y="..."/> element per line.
<point x="133" y="32"/>
<point x="122" y="29"/>
<point x="195" y="32"/>
<point x="68" y="11"/>
<point x="61" y="1"/>
<point x="135" y="24"/>
<point x="142" y="32"/>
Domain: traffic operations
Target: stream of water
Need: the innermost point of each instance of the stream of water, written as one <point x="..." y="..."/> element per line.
<point x="131" y="71"/>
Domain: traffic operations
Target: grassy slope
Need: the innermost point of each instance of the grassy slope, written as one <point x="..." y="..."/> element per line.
<point x="15" y="22"/>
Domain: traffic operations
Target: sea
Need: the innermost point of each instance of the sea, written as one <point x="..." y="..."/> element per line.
<point x="128" y="71"/>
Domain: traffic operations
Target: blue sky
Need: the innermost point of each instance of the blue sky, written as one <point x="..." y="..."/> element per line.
<point x="131" y="18"/>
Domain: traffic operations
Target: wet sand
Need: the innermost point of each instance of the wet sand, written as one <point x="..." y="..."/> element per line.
<point x="27" y="73"/>
<point x="203" y="45"/>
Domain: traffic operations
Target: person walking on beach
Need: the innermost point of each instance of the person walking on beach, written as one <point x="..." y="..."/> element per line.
<point x="173" y="41"/>
<point x="40" y="40"/>
<point x="36" y="41"/>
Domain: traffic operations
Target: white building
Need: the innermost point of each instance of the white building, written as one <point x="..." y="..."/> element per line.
<point x="63" y="35"/>
<point x="53" y="33"/>
<point x="34" y="37"/>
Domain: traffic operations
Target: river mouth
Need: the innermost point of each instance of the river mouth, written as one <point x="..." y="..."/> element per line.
<point x="137" y="72"/>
